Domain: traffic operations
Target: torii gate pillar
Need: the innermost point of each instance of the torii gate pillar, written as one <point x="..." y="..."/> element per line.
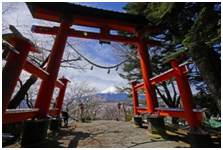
<point x="43" y="100"/>
<point x="10" y="76"/>
<point x="56" y="123"/>
<point x="61" y="96"/>
<point x="47" y="87"/>
<point x="155" y="123"/>
<point x="150" y="92"/>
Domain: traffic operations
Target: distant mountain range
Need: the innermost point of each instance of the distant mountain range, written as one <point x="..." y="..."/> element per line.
<point x="112" y="94"/>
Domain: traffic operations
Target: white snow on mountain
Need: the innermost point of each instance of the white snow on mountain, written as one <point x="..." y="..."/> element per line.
<point x="110" y="90"/>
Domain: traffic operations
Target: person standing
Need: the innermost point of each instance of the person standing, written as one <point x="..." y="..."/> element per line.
<point x="65" y="117"/>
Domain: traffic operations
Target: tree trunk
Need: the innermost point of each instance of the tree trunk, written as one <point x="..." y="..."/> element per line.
<point x="209" y="64"/>
<point x="20" y="95"/>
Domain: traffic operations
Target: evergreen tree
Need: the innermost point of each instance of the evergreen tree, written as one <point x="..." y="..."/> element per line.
<point x="192" y="28"/>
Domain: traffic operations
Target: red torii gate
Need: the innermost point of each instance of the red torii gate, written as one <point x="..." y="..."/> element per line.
<point x="16" y="61"/>
<point x="84" y="16"/>
<point x="68" y="14"/>
<point x="59" y="12"/>
<point x="106" y="21"/>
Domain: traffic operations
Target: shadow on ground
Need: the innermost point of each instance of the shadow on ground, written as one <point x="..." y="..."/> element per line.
<point x="54" y="138"/>
<point x="78" y="136"/>
<point x="151" y="141"/>
<point x="73" y="137"/>
<point x="173" y="134"/>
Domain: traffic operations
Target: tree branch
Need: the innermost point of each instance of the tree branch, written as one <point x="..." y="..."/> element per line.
<point x="20" y="82"/>
<point x="168" y="93"/>
<point x="66" y="61"/>
<point x="163" y="97"/>
<point x="175" y="93"/>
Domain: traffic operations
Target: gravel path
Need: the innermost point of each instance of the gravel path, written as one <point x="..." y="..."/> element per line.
<point x="108" y="134"/>
<point x="114" y="134"/>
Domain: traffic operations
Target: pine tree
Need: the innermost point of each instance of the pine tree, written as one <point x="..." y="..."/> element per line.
<point x="193" y="28"/>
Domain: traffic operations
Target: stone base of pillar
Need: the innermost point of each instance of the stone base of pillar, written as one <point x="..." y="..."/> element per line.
<point x="34" y="133"/>
<point x="200" y="140"/>
<point x="138" y="122"/>
<point x="156" y="125"/>
<point x="55" y="124"/>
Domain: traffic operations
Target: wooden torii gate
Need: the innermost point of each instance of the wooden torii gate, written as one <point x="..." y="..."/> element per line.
<point x="68" y="14"/>
<point x="16" y="57"/>
<point x="17" y="61"/>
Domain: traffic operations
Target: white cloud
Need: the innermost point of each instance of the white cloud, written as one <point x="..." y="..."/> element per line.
<point x="97" y="77"/>
<point x="99" y="54"/>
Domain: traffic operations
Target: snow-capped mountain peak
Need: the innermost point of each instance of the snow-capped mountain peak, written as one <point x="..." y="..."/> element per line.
<point x="113" y="94"/>
<point x="110" y="90"/>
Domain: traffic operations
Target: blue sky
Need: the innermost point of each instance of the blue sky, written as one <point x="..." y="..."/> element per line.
<point x="99" y="54"/>
<point x="114" y="6"/>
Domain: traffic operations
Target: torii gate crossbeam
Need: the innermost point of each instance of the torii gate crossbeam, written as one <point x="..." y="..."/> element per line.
<point x="106" y="21"/>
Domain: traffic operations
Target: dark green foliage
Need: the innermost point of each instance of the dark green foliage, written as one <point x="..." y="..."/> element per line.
<point x="205" y="100"/>
<point x="133" y="70"/>
<point x="87" y="118"/>
<point x="177" y="19"/>
<point x="188" y="27"/>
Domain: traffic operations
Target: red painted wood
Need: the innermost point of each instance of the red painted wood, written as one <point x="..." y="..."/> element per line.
<point x="135" y="98"/>
<point x="60" y="97"/>
<point x="97" y="36"/>
<point x="12" y="71"/>
<point x="150" y="93"/>
<point x="45" y="93"/>
<point x="46" y="14"/>
<point x="185" y="94"/>
<point x="36" y="71"/>
<point x="14" y="117"/>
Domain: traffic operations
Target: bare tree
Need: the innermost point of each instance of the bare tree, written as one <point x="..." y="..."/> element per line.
<point x="80" y="92"/>
<point x="109" y="111"/>
<point x="44" y="43"/>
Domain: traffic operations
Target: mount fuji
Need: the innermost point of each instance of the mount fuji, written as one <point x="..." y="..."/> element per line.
<point x="110" y="90"/>
<point x="112" y="94"/>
